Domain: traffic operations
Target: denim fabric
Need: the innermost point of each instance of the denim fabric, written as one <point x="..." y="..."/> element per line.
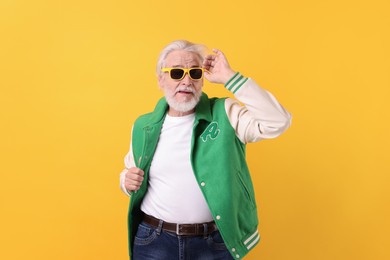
<point x="150" y="244"/>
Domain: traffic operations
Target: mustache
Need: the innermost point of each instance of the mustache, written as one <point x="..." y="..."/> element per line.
<point x="186" y="89"/>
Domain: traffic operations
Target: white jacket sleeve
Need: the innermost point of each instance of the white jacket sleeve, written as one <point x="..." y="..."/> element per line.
<point x="260" y="117"/>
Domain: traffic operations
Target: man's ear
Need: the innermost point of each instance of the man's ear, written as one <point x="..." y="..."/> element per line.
<point x="160" y="79"/>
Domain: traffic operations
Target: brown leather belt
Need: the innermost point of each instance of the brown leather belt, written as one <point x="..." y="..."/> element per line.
<point x="201" y="229"/>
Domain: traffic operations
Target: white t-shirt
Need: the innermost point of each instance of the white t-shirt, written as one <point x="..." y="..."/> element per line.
<point x="178" y="198"/>
<point x="173" y="193"/>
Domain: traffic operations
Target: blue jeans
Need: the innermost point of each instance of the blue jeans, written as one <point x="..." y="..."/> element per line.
<point x="153" y="244"/>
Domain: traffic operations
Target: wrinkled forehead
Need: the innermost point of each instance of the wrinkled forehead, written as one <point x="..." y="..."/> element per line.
<point x="182" y="58"/>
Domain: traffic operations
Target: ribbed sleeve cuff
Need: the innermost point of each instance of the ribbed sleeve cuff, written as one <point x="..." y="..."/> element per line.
<point x="235" y="82"/>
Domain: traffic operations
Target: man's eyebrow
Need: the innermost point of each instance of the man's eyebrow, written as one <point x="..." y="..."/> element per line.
<point x="181" y="66"/>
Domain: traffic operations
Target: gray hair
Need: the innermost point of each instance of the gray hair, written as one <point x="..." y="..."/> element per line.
<point x="198" y="49"/>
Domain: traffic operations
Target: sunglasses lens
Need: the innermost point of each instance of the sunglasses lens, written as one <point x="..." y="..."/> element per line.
<point x="196" y="73"/>
<point x="177" y="73"/>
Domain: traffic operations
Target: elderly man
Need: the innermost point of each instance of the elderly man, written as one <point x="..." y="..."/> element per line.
<point x="191" y="192"/>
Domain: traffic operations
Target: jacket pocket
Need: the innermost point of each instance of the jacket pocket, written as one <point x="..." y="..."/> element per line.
<point x="245" y="189"/>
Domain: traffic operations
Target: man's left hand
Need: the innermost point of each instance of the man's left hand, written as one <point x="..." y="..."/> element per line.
<point x="217" y="68"/>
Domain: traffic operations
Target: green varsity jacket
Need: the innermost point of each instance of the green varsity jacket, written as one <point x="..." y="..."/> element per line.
<point x="220" y="168"/>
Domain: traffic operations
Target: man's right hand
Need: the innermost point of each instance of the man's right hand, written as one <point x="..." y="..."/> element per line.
<point x="133" y="179"/>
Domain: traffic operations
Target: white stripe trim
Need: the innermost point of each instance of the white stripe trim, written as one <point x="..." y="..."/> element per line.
<point x="238" y="84"/>
<point x="239" y="87"/>
<point x="254" y="242"/>
<point x="251" y="237"/>
<point x="232" y="80"/>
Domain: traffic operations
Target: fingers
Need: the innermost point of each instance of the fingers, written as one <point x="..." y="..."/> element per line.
<point x="218" y="52"/>
<point x="217" y="67"/>
<point x="211" y="60"/>
<point x="134" y="178"/>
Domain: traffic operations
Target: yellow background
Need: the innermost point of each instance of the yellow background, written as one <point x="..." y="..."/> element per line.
<point x="75" y="74"/>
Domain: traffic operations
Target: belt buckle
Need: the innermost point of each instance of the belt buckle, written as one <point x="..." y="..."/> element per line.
<point x="178" y="229"/>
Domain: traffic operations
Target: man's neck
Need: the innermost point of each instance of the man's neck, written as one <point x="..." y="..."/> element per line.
<point x="175" y="113"/>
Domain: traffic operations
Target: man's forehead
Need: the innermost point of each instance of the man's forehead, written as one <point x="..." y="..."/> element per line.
<point x="181" y="57"/>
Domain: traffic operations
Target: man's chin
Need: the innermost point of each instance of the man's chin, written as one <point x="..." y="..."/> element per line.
<point x="182" y="106"/>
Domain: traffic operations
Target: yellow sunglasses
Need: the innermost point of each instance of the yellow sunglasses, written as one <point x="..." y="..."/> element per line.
<point x="179" y="73"/>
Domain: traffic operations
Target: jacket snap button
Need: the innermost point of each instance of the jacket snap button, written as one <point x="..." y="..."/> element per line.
<point x="203" y="184"/>
<point x="237" y="256"/>
<point x="233" y="249"/>
<point x="218" y="217"/>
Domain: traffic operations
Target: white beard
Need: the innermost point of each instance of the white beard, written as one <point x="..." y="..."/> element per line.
<point x="183" y="106"/>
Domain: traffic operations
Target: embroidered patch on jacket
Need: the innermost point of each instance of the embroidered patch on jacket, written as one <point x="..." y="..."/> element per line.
<point x="211" y="131"/>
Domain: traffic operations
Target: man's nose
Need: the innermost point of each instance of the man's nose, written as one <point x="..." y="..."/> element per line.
<point x="186" y="79"/>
